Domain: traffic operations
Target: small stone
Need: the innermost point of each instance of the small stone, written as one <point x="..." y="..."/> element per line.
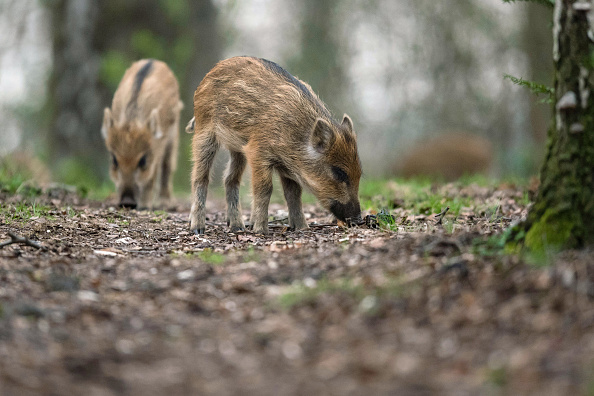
<point x="291" y="350"/>
<point x="87" y="295"/>
<point x="119" y="285"/>
<point x="309" y="282"/>
<point x="230" y="306"/>
<point x="104" y="253"/>
<point x="185" y="275"/>
<point x="368" y="303"/>
<point x="124" y="346"/>
<point x="568" y="278"/>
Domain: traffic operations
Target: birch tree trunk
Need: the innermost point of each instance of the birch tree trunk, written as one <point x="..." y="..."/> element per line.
<point x="563" y="212"/>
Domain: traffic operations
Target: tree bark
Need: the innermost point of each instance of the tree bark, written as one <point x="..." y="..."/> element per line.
<point x="563" y="212"/>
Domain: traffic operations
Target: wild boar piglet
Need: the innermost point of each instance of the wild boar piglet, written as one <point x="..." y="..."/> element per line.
<point x="141" y="132"/>
<point x="272" y="121"/>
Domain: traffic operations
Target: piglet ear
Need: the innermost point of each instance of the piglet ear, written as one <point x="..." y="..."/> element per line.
<point x="191" y="125"/>
<point x="107" y="122"/>
<point x="322" y="136"/>
<point x="347" y="123"/>
<point x="153" y="124"/>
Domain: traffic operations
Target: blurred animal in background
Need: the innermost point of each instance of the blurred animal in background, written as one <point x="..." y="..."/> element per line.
<point x="141" y="132"/>
<point x="448" y="156"/>
<point x="274" y="122"/>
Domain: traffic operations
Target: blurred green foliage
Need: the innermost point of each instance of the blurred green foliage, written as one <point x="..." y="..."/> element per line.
<point x="74" y="172"/>
<point x="9" y="181"/>
<point x="113" y="65"/>
<point x="177" y="11"/>
<point x="148" y="45"/>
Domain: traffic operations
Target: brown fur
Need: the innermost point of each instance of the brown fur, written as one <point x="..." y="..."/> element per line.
<point x="449" y="155"/>
<point x="271" y="121"/>
<point x="143" y="122"/>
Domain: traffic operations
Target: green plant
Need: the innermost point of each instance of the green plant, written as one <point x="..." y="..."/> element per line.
<point x="535" y="88"/>
<point x="160" y="215"/>
<point x="498" y="377"/>
<point x="209" y="256"/>
<point x="23" y="211"/>
<point x="251" y="255"/>
<point x="367" y="297"/>
<point x="303" y="295"/>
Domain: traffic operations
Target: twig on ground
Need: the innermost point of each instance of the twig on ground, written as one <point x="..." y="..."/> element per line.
<point x="442" y="214"/>
<point x="19" y="239"/>
<point x="318" y="226"/>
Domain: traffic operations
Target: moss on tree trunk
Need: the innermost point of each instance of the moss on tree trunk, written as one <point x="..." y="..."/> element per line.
<point x="563" y="212"/>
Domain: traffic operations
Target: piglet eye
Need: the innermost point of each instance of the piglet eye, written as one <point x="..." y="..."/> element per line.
<point x="114" y="160"/>
<point x="340" y="175"/>
<point x="142" y="162"/>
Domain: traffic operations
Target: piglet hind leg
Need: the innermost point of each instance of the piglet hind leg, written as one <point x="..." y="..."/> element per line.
<point x="167" y="169"/>
<point x="205" y="146"/>
<point x="292" y="191"/>
<point x="232" y="179"/>
<point x="261" y="191"/>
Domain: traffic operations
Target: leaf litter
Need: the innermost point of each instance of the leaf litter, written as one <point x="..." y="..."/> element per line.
<point x="132" y="303"/>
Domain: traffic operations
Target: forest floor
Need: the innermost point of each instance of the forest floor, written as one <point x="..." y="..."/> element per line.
<point x="119" y="302"/>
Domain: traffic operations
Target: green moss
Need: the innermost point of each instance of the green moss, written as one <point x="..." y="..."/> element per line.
<point x="551" y="232"/>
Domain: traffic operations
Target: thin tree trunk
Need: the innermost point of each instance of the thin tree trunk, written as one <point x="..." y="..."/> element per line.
<point x="563" y="212"/>
<point x="537" y="44"/>
<point x="75" y="100"/>
<point x="320" y="60"/>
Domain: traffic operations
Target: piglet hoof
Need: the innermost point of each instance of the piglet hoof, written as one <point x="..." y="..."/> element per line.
<point x="236" y="229"/>
<point x="198" y="231"/>
<point x="260" y="230"/>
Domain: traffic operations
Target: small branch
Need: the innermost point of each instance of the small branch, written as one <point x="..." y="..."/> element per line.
<point x="442" y="214"/>
<point x="18" y="239"/>
<point x="320" y="226"/>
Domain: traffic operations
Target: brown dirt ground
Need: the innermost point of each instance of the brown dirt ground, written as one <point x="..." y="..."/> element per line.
<point x="131" y="303"/>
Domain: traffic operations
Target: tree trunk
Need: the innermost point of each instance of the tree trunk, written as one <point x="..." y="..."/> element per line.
<point x="320" y="60"/>
<point x="75" y="101"/>
<point x="563" y="212"/>
<point x="537" y="44"/>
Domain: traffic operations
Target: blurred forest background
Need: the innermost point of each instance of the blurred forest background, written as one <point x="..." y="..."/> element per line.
<point x="405" y="71"/>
